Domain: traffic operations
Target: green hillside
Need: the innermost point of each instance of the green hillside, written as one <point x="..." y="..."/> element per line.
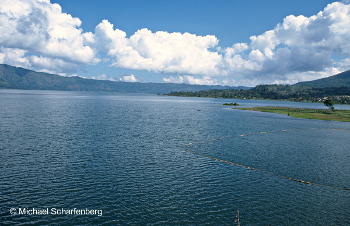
<point x="276" y="92"/>
<point x="20" y="78"/>
<point x="341" y="79"/>
<point x="337" y="86"/>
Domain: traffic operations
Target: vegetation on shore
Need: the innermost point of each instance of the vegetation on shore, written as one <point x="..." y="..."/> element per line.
<point x="231" y="104"/>
<point x="307" y="113"/>
<point x="341" y="95"/>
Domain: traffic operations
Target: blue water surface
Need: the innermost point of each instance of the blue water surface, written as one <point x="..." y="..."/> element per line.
<point x="125" y="155"/>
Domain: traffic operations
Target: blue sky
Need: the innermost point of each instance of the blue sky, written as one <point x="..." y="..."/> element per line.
<point x="232" y="21"/>
<point x="227" y="42"/>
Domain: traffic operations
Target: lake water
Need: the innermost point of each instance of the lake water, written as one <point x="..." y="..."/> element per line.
<point x="125" y="156"/>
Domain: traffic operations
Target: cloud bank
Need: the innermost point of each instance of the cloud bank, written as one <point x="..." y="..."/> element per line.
<point x="36" y="34"/>
<point x="160" y="52"/>
<point x="129" y="78"/>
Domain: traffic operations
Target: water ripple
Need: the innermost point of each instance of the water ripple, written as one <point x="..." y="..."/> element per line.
<point x="120" y="154"/>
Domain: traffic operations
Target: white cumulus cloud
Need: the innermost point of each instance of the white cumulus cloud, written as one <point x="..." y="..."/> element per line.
<point x="39" y="27"/>
<point x="160" y="52"/>
<point x="205" y="80"/>
<point x="129" y="78"/>
<point x="300" y="48"/>
<point x="37" y="34"/>
<point x="13" y="56"/>
<point x="103" y="77"/>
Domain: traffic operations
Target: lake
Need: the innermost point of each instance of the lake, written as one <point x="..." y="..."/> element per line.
<point x="89" y="158"/>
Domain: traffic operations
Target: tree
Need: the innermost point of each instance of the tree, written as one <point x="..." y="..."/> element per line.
<point x="329" y="102"/>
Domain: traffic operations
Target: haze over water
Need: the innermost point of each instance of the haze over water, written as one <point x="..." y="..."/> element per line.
<point x="125" y="154"/>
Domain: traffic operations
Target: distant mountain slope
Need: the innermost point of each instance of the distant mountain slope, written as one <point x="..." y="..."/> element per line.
<point x="341" y="79"/>
<point x="20" y="78"/>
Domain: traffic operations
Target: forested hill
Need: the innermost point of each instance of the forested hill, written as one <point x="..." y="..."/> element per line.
<point x="276" y="92"/>
<point x="341" y="79"/>
<point x="314" y="91"/>
<point x="20" y="78"/>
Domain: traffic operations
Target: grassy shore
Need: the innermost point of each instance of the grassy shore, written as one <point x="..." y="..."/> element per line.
<point x="307" y="113"/>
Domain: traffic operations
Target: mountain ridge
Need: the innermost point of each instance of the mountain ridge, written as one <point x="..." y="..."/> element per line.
<point x="20" y="78"/>
<point x="337" y="80"/>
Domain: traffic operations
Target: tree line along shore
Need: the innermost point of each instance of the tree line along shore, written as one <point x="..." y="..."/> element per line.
<point x="340" y="95"/>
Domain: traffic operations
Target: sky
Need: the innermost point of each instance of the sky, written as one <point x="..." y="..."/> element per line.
<point x="208" y="42"/>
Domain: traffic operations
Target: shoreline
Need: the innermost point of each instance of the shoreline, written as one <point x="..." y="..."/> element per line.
<point x="306" y="113"/>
